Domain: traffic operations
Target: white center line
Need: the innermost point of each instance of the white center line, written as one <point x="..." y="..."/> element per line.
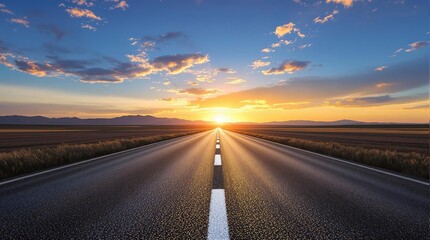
<point x="218" y="226"/>
<point x="217" y="146"/>
<point x="217" y="161"/>
<point x="217" y="141"/>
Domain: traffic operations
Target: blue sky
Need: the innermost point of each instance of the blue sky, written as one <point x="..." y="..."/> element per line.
<point x="189" y="58"/>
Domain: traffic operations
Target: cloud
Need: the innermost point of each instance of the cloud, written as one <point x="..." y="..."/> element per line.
<point x="81" y="69"/>
<point x="192" y="83"/>
<point x="297" y="31"/>
<point x="225" y="70"/>
<point x="288" y="28"/>
<point x="382" y="85"/>
<point x="287" y="67"/>
<point x="204" y="76"/>
<point x="370" y="101"/>
<point x="234" y="80"/>
<point x="423" y="106"/>
<point x="381" y="68"/>
<point x="397" y="52"/>
<point x="280" y="31"/>
<point x="175" y="64"/>
<point x="258" y="64"/>
<point x="199" y="91"/>
<point x="4" y="60"/>
<point x="51" y="30"/>
<point x="34" y="68"/>
<point x="281" y="42"/>
<point x="304" y="46"/>
<point x="88" y="71"/>
<point x="77" y="12"/>
<point x="326" y="18"/>
<point x="267" y="50"/>
<point x="164" y="37"/>
<point x="120" y="5"/>
<point x="23" y="21"/>
<point x="417" y="45"/>
<point x="3" y="9"/>
<point x="89" y="27"/>
<point x="83" y="3"/>
<point x="346" y="3"/>
<point x="167" y="83"/>
<point x="168" y="99"/>
<point x="307" y="92"/>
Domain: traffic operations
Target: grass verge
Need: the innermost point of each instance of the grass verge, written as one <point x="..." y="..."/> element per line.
<point x="412" y="163"/>
<point x="25" y="160"/>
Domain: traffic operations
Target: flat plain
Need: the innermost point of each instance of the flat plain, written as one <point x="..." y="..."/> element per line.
<point x="18" y="136"/>
<point x="404" y="138"/>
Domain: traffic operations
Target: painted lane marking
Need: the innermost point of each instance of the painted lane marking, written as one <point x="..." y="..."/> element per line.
<point x="217" y="160"/>
<point x="217" y="146"/>
<point x="218" y="225"/>
<point x="217" y="141"/>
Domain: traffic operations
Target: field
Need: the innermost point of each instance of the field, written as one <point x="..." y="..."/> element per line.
<point x="18" y="136"/>
<point x="401" y="148"/>
<point x="25" y="149"/>
<point x="404" y="138"/>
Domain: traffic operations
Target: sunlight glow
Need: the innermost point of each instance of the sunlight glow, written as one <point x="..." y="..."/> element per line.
<point x="220" y="119"/>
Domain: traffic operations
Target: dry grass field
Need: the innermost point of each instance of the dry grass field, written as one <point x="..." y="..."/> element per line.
<point x="25" y="149"/>
<point x="402" y="149"/>
<point x="18" y="136"/>
<point x="404" y="138"/>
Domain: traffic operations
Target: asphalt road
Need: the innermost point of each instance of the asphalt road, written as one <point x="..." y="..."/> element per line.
<point x="164" y="191"/>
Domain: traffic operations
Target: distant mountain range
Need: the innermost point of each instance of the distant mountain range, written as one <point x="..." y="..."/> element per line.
<point x="124" y="120"/>
<point x="151" y="120"/>
<point x="321" y="123"/>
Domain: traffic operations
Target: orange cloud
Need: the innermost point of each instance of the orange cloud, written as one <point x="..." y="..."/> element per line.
<point x="417" y="45"/>
<point x="280" y="31"/>
<point x="77" y="12"/>
<point x="326" y="18"/>
<point x="121" y="5"/>
<point x="346" y="3"/>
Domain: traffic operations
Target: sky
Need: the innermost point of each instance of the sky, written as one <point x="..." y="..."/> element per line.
<point x="236" y="61"/>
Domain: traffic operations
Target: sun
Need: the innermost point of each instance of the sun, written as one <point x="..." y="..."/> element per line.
<point x="220" y="119"/>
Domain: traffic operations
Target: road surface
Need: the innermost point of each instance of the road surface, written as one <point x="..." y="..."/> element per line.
<point x="256" y="190"/>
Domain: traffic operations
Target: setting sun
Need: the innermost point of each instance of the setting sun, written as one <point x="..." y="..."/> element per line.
<point x="220" y="119"/>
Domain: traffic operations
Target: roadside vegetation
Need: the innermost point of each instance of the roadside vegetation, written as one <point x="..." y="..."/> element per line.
<point x="25" y="160"/>
<point x="412" y="163"/>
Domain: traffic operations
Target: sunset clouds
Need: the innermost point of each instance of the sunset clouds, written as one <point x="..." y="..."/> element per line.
<point x="326" y="18"/>
<point x="280" y="59"/>
<point x="259" y="63"/>
<point x="78" y="13"/>
<point x="175" y="64"/>
<point x="287" y="67"/>
<point x="346" y="3"/>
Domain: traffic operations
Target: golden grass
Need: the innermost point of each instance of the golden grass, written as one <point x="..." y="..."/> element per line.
<point x="412" y="163"/>
<point x="25" y="160"/>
